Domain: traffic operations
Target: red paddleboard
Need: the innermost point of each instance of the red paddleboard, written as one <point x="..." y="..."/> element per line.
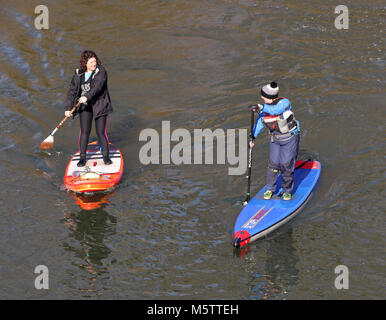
<point x="95" y="175"/>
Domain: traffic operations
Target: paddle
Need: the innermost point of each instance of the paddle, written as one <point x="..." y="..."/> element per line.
<point x="253" y="109"/>
<point x="48" y="143"/>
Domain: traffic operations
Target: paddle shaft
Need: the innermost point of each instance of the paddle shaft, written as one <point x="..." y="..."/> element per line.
<point x="250" y="158"/>
<point x="65" y="118"/>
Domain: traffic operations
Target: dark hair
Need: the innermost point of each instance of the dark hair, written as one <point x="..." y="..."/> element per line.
<point x="85" y="56"/>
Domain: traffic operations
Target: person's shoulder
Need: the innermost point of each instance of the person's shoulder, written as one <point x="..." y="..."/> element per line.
<point x="101" y="69"/>
<point x="76" y="76"/>
<point x="284" y="101"/>
<point x="78" y="72"/>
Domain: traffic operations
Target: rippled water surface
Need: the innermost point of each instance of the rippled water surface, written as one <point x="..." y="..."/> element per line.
<point x="166" y="231"/>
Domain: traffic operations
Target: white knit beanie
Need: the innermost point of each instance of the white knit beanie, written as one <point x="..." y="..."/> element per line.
<point x="270" y="91"/>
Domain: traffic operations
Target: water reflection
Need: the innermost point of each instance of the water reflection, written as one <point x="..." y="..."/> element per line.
<point x="93" y="201"/>
<point x="274" y="278"/>
<point x="281" y="264"/>
<point x="89" y="230"/>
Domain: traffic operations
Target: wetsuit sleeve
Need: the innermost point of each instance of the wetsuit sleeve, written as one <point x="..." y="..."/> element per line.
<point x="98" y="85"/>
<point x="278" y="108"/>
<point x="258" y="127"/>
<point x="71" y="94"/>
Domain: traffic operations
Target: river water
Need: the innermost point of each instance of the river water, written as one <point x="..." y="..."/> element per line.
<point x="166" y="231"/>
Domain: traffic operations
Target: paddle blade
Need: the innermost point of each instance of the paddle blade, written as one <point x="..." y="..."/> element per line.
<point x="48" y="143"/>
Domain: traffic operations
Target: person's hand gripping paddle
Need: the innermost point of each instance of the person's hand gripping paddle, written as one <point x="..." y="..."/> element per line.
<point x="48" y="143"/>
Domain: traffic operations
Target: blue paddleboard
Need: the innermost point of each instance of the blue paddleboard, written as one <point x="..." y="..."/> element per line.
<point x="259" y="217"/>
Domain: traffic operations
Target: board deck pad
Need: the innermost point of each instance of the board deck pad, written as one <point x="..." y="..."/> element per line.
<point x="95" y="162"/>
<point x="95" y="175"/>
<point x="260" y="217"/>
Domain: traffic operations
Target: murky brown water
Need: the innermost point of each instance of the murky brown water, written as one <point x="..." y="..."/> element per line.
<point x="166" y="231"/>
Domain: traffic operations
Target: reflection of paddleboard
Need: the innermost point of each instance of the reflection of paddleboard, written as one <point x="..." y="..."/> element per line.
<point x="260" y="217"/>
<point x="95" y="175"/>
<point x="91" y="202"/>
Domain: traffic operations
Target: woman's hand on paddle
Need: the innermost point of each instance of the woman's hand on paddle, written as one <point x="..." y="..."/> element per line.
<point x="251" y="144"/>
<point x="67" y="113"/>
<point x="82" y="99"/>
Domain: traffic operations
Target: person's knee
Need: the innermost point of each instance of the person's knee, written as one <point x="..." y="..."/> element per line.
<point x="85" y="133"/>
<point x="288" y="168"/>
<point x="274" y="167"/>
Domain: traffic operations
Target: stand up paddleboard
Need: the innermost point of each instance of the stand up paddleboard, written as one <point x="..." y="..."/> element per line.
<point x="260" y="217"/>
<point x="95" y="175"/>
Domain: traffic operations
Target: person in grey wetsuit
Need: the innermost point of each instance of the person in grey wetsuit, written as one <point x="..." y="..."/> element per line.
<point x="276" y="114"/>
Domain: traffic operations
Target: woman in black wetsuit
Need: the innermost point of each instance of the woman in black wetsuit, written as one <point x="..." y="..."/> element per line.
<point x="89" y="87"/>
